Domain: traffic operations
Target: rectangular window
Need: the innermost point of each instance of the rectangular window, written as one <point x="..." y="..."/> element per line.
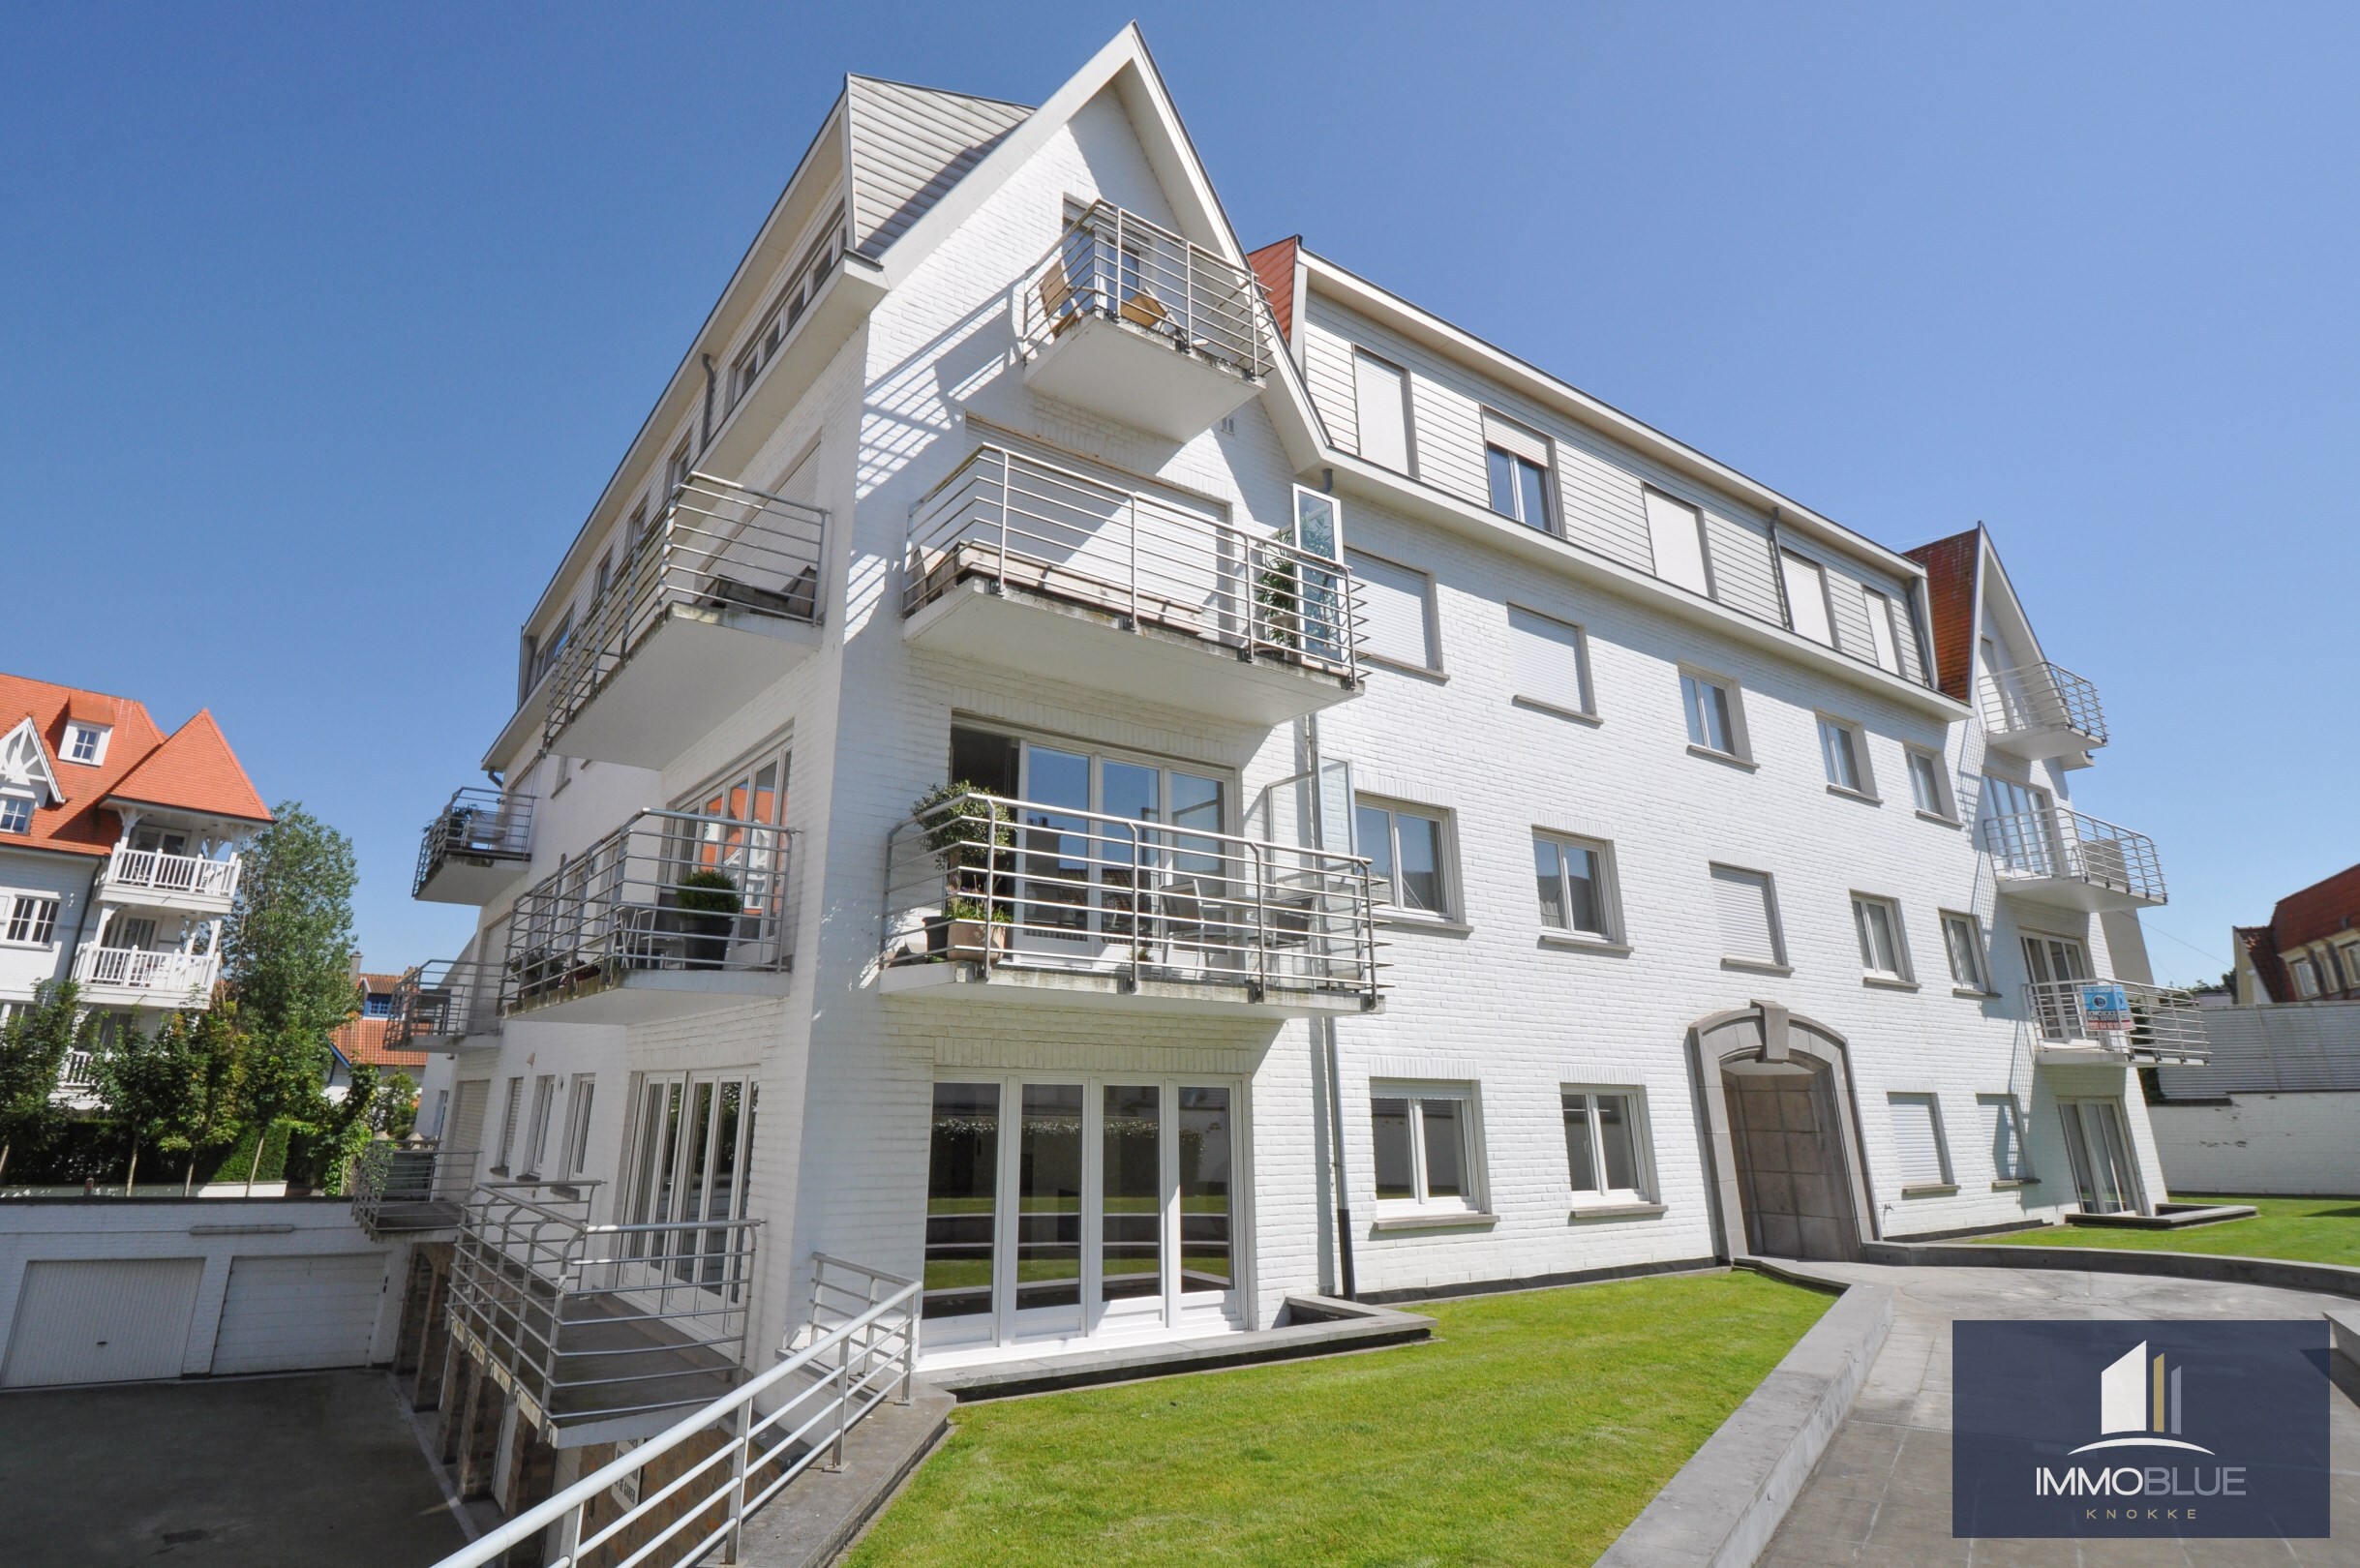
<point x="1843" y="750"/>
<point x="1962" y="939"/>
<point x="86" y="743"/>
<point x="32" y="919"/>
<point x="1516" y="461"/>
<point x="1676" y="531"/>
<point x="1807" y="597"/>
<point x="1877" y="921"/>
<point x="1571" y="875"/>
<point x="574" y="1157"/>
<point x="2306" y="978"/>
<point x="536" y="1137"/>
<point x="1396" y="611"/>
<point x="137" y="934"/>
<point x="1714" y="719"/>
<point x="1882" y="642"/>
<point x="1602" y="1142"/>
<point x="1423" y="1148"/>
<point x="1381" y="393"/>
<point x="1404" y="851"/>
<point x="1552" y="662"/>
<point x="1917" y="1138"/>
<point x="2004" y="1136"/>
<point x="1925" y="783"/>
<point x="1749" y="913"/>
<point x="16" y="814"/>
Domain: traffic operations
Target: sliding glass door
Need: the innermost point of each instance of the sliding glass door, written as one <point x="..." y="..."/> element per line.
<point x="2105" y="1174"/>
<point x="693" y="1139"/>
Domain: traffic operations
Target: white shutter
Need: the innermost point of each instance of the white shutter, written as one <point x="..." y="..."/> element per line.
<point x="1393" y="610"/>
<point x="1743" y="901"/>
<point x="1511" y="436"/>
<point x="1381" y="392"/>
<point x="1880" y="629"/>
<point x="1807" y="597"/>
<point x="1914" y="1140"/>
<point x="1677" y="534"/>
<point x="1548" y="661"/>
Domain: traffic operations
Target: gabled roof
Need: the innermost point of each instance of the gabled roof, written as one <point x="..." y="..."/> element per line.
<point x="361" y="1040"/>
<point x="194" y="770"/>
<point x="79" y="823"/>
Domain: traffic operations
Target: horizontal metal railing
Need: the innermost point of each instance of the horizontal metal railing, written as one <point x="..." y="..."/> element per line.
<point x="721" y="552"/>
<point x="408" y="1187"/>
<point x="476" y="825"/>
<point x="2036" y="697"/>
<point x="154" y="872"/>
<point x="1115" y="264"/>
<point x="2143" y="1022"/>
<point x="667" y="890"/>
<point x="182" y="976"/>
<point x="984" y="879"/>
<point x="447" y="999"/>
<point x="597" y="1321"/>
<point x="1015" y="520"/>
<point x="2058" y="843"/>
<point x="861" y="1352"/>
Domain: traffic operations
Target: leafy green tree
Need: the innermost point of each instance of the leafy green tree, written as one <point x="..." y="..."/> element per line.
<point x="33" y="1047"/>
<point x="216" y="1047"/>
<point x="143" y="1080"/>
<point x="396" y="1112"/>
<point x="321" y="1144"/>
<point x="174" y="1089"/>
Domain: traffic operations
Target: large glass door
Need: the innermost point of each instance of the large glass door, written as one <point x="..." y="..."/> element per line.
<point x="2048" y="960"/>
<point x="693" y="1139"/>
<point x="2098" y="1144"/>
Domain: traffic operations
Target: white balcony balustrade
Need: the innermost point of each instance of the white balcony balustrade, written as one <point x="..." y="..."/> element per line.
<point x="2058" y="856"/>
<point x="713" y="604"/>
<point x="475" y="849"/>
<point x="672" y="914"/>
<point x="436" y="1006"/>
<point x="2095" y="1019"/>
<point x="2038" y="711"/>
<point x="1129" y="319"/>
<point x="1043" y="903"/>
<point x="1026" y="566"/>
<point x="410" y="1191"/>
<point x="157" y="879"/>
<point x="141" y="977"/>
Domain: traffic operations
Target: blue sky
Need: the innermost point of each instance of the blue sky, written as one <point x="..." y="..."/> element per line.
<point x="323" y="327"/>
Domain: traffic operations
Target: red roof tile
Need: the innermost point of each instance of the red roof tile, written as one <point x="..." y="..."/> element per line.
<point x="361" y="1040"/>
<point x="79" y="826"/>
<point x="1275" y="265"/>
<point x="1951" y="567"/>
<point x="194" y="770"/>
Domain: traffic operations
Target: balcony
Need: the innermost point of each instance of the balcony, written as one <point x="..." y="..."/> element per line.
<point x="1019" y="564"/>
<point x="1017" y="901"/>
<point x="2057" y="855"/>
<point x="1128" y="320"/>
<point x="669" y="915"/>
<point x="411" y="1193"/>
<point x="475" y="849"/>
<point x="717" y="601"/>
<point x="438" y="1006"/>
<point x="2114" y="1021"/>
<point x="144" y="977"/>
<point x="603" y="1333"/>
<point x="155" y="880"/>
<point x="2038" y="711"/>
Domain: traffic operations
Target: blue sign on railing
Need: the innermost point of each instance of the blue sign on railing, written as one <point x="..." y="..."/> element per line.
<point x="2105" y="1008"/>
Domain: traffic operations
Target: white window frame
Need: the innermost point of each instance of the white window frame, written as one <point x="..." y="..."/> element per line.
<point x="1445" y="858"/>
<point x="100" y="733"/>
<point x="1884" y="630"/>
<point x="1978" y="982"/>
<point x="573" y="1156"/>
<point x="1470" y="1203"/>
<point x="1740" y="742"/>
<point x="1643" y="1146"/>
<point x="1585" y="700"/>
<point x="2010" y="1111"/>
<point x="1426" y="609"/>
<point x="536" y="1134"/>
<point x="2305" y="971"/>
<point x="509" y="1111"/>
<point x="1948" y="1181"/>
<point x="13" y="907"/>
<point x="1945" y="808"/>
<point x="1863" y="786"/>
<point x="1777" y="961"/>
<point x="11" y="803"/>
<point x="1521" y="444"/>
<point x="1896" y="932"/>
<point x="1604" y="884"/>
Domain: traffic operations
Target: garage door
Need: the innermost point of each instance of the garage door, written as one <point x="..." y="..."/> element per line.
<point x="285" y="1313"/>
<point x="102" y="1321"/>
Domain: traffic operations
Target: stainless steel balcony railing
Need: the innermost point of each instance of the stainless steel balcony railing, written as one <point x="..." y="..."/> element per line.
<point x="1116" y="265"/>
<point x="410" y="1188"/>
<point x="667" y="890"/>
<point x="1022" y="884"/>
<point x="478" y="826"/>
<point x="1018" y="522"/>
<point x="2059" y="844"/>
<point x="2036" y="697"/>
<point x="2146" y="1023"/>
<point x="600" y="1321"/>
<point x="446" y="1000"/>
<point x="722" y="553"/>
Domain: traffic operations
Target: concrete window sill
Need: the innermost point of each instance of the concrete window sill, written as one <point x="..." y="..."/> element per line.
<point x="1553" y="710"/>
<point x="2008" y="1184"/>
<point x="1938" y="817"/>
<point x="1403" y="920"/>
<point x="1438" y="1219"/>
<point x="1931" y="1189"/>
<point x="1728" y="758"/>
<point x="1861" y="796"/>
<point x="1888" y="983"/>
<point x="1755" y="966"/>
<point x="1441" y="678"/>
<point x="1615" y="1211"/>
<point x="1573" y="942"/>
<point x="1972" y="994"/>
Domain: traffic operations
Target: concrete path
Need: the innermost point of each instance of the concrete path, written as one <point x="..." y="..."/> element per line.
<point x="1881" y="1495"/>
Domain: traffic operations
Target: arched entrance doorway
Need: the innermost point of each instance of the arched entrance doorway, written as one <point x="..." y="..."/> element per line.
<point x="1784" y="1136"/>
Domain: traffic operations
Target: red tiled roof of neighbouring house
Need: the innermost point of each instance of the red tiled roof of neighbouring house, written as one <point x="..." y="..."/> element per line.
<point x="194" y="770"/>
<point x="2324" y="909"/>
<point x="1275" y="265"/>
<point x="1951" y="567"/>
<point x="360" y="1040"/>
<point x="79" y="825"/>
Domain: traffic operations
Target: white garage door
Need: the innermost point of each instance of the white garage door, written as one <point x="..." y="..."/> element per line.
<point x="102" y="1321"/>
<point x="284" y="1313"/>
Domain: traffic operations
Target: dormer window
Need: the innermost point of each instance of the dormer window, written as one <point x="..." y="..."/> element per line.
<point x="86" y="743"/>
<point x="16" y="814"/>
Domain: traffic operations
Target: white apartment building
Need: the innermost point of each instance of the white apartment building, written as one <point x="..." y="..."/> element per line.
<point x="1415" y="827"/>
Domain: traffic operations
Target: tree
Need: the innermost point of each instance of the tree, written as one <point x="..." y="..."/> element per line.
<point x="33" y="1047"/>
<point x="321" y="1143"/>
<point x="289" y="964"/>
<point x="217" y="1049"/>
<point x="141" y="1079"/>
<point x="176" y="1089"/>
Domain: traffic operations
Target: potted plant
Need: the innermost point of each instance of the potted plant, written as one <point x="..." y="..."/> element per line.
<point x="709" y="906"/>
<point x="972" y="837"/>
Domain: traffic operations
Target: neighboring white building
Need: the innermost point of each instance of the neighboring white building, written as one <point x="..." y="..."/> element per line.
<point x="1431" y="824"/>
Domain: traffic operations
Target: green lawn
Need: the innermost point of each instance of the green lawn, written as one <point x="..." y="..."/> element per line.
<point x="2307" y="1230"/>
<point x="1532" y="1429"/>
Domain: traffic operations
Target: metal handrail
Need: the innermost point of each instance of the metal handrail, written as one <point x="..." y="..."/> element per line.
<point x="1015" y="520"/>
<point x="478" y="825"/>
<point x="1118" y="266"/>
<point x="387" y="1173"/>
<point x="821" y="1391"/>
<point x="2059" y="843"/>
<point x="721" y="552"/>
<point x="2035" y="697"/>
<point x="2125" y="1018"/>
<point x="153" y="870"/>
<point x="446" y="999"/>
<point x="668" y="890"/>
<point x="991" y="880"/>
